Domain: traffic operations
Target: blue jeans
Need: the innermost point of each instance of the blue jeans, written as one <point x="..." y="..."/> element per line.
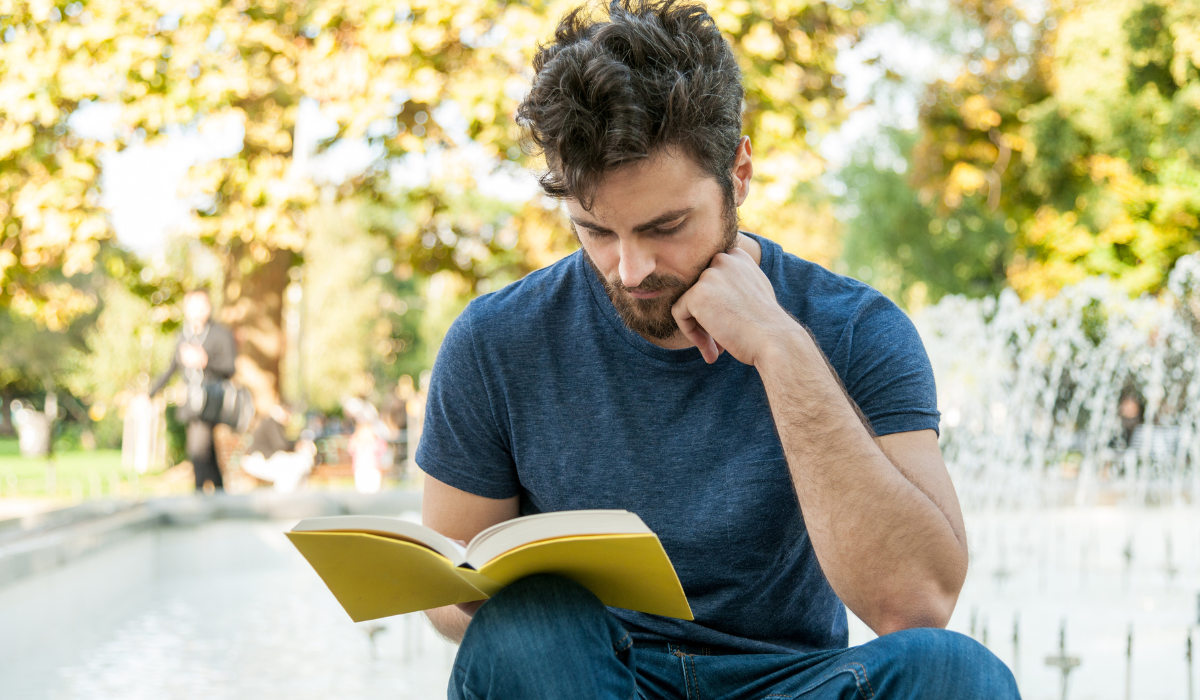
<point x="545" y="637"/>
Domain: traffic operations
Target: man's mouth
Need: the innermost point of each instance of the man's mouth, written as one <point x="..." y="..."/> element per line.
<point x="636" y="294"/>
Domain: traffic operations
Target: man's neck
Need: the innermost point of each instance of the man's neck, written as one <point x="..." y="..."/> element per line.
<point x="679" y="341"/>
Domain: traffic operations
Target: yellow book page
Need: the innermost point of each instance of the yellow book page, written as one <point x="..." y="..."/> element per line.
<point x="373" y="576"/>
<point x="624" y="571"/>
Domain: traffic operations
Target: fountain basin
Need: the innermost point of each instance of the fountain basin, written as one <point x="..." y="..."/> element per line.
<point x="189" y="598"/>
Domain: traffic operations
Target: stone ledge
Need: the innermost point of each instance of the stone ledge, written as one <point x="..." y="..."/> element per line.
<point x="44" y="541"/>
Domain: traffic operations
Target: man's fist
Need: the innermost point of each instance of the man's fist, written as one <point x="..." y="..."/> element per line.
<point x="193" y="356"/>
<point x="732" y="307"/>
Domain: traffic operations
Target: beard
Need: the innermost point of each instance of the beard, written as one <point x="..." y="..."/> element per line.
<point x="652" y="318"/>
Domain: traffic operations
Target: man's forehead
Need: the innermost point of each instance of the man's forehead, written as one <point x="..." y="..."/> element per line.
<point x="646" y="190"/>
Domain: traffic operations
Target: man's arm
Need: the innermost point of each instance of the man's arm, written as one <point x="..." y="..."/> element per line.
<point x="881" y="514"/>
<point x="166" y="376"/>
<point x="460" y="515"/>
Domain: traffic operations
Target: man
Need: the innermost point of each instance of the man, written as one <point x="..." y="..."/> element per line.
<point x="709" y="382"/>
<point x="206" y="352"/>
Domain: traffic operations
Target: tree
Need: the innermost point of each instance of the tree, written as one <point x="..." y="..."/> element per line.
<point x="905" y="247"/>
<point x="427" y="78"/>
<point x="1081" y="132"/>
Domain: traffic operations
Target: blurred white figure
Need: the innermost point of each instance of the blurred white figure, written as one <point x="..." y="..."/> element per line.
<point x="144" y="438"/>
<point x="367" y="450"/>
<point x="33" y="430"/>
<point x="272" y="457"/>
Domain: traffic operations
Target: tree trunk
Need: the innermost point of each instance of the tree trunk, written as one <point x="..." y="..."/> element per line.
<point x="6" y="425"/>
<point x="253" y="309"/>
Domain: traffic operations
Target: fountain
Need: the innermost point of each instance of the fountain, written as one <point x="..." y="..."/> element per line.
<point x="1071" y="428"/>
<point x="1090" y="397"/>
<point x="1062" y="661"/>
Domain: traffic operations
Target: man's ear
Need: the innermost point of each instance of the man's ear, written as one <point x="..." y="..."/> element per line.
<point x="743" y="170"/>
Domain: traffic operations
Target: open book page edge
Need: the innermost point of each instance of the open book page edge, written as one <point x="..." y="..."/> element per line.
<point x="391" y="528"/>
<point x="497" y="539"/>
<point x="524" y="519"/>
<point x="479" y="565"/>
<point x="560" y="538"/>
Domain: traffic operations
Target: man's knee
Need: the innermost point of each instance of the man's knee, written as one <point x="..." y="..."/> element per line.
<point x="531" y="616"/>
<point x="543" y="637"/>
<point x="939" y="663"/>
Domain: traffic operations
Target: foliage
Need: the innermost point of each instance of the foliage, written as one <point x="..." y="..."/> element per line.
<point x="50" y="220"/>
<point x="30" y="356"/>
<point x="906" y="248"/>
<point x="388" y="76"/>
<point x="1083" y="129"/>
<point x="336" y="311"/>
<point x="122" y="352"/>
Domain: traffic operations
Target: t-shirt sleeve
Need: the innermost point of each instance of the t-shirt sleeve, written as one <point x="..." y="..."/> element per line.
<point x="888" y="371"/>
<point x="461" y="442"/>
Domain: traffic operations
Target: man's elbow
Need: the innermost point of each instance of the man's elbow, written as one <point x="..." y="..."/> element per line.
<point x="933" y="608"/>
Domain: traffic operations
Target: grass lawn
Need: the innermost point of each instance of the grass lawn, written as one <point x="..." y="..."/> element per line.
<point x="28" y="485"/>
<point x="75" y="476"/>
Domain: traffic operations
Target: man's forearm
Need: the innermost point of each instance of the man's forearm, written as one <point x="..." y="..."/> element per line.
<point x="166" y="376"/>
<point x="887" y="549"/>
<point x="450" y="622"/>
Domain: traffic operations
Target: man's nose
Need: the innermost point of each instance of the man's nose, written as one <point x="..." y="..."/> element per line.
<point x="636" y="263"/>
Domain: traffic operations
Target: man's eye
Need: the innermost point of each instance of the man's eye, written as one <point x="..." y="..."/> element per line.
<point x="672" y="229"/>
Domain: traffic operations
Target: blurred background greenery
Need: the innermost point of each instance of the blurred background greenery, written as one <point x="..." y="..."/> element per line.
<point x="375" y="180"/>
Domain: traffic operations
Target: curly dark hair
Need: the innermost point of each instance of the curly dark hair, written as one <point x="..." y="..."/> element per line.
<point x="614" y="87"/>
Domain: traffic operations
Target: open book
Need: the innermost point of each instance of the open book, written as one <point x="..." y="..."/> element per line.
<point x="378" y="566"/>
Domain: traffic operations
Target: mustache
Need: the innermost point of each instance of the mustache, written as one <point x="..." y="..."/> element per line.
<point x="651" y="283"/>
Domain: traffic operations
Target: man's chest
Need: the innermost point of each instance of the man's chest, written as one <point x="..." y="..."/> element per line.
<point x="697" y="457"/>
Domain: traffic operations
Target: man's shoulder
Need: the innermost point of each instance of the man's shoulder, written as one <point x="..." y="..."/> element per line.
<point x="822" y="299"/>
<point x="536" y="300"/>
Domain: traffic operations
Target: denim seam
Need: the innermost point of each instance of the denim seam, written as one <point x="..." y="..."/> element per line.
<point x="687" y="684"/>
<point x="695" y="680"/>
<point x="870" y="690"/>
<point x="870" y="693"/>
<point x="623" y="648"/>
<point x="857" y="681"/>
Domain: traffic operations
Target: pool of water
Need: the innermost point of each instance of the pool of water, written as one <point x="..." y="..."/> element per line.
<point x="227" y="609"/>
<point x="1101" y="572"/>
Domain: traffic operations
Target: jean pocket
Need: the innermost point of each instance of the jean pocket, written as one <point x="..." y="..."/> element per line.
<point x="842" y="674"/>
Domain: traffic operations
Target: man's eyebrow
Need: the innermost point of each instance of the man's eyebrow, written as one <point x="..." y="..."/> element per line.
<point x="640" y="228"/>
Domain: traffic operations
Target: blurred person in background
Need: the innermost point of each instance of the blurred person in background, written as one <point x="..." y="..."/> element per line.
<point x="272" y="457"/>
<point x="1131" y="411"/>
<point x="367" y="451"/>
<point x="205" y="353"/>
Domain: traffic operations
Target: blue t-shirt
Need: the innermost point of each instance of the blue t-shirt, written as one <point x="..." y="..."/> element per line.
<point x="541" y="391"/>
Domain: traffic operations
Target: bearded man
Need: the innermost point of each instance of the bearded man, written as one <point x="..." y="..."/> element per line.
<point x="774" y="423"/>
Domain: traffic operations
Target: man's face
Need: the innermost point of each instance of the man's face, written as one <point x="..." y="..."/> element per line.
<point x="196" y="308"/>
<point x="653" y="228"/>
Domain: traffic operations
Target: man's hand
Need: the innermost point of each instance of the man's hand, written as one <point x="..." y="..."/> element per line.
<point x="193" y="356"/>
<point x="732" y="307"/>
<point x="460" y="516"/>
<point x="467" y="608"/>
